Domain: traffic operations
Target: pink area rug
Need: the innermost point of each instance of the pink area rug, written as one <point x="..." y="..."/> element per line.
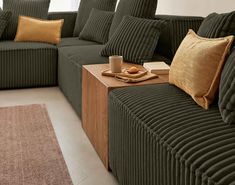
<point x="29" y="151"/>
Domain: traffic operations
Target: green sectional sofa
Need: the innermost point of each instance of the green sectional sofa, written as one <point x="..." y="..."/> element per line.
<point x="157" y="134"/>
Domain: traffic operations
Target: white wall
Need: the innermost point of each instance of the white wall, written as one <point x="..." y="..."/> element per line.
<point x="174" y="7"/>
<point x="61" y="5"/>
<point x="194" y="7"/>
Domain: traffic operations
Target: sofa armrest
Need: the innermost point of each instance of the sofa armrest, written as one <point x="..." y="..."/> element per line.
<point x="69" y="21"/>
<point x="174" y="33"/>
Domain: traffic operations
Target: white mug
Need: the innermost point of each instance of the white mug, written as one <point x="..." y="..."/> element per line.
<point x="115" y="63"/>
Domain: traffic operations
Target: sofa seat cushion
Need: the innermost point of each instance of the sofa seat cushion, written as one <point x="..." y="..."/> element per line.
<point x="159" y="130"/>
<point x="71" y="60"/>
<point x="83" y="55"/>
<point x="12" y="45"/>
<point x="27" y="64"/>
<point x="74" y="41"/>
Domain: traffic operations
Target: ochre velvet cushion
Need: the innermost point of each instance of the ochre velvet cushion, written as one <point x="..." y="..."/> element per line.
<point x="36" y="30"/>
<point x="197" y="65"/>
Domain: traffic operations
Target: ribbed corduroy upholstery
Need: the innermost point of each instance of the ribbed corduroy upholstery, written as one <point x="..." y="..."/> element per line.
<point x="75" y="41"/>
<point x="69" y="21"/>
<point x="218" y="25"/>
<point x="175" y="31"/>
<point x="159" y="136"/>
<point x="97" y="26"/>
<point x="85" y="8"/>
<point x="135" y="39"/>
<point x="27" y="64"/>
<point x="70" y="77"/>
<point x="227" y="90"/>
<point x="4" y="18"/>
<point x="135" y="8"/>
<point x="71" y="60"/>
<point x="31" y="8"/>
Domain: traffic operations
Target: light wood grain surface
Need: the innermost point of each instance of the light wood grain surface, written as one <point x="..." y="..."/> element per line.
<point x="95" y="90"/>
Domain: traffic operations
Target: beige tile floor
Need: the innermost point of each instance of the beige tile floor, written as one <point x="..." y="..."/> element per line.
<point x="83" y="163"/>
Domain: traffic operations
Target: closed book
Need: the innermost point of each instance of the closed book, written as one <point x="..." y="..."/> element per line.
<point x="158" y="68"/>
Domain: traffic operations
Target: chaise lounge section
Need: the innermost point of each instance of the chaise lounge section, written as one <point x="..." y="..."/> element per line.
<point x="159" y="136"/>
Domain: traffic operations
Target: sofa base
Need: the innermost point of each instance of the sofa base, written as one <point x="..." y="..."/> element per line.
<point x="71" y="60"/>
<point x="69" y="77"/>
<point x="27" y="64"/>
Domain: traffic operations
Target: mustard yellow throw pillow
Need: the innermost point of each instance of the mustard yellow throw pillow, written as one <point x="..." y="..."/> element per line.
<point x="36" y="30"/>
<point x="197" y="65"/>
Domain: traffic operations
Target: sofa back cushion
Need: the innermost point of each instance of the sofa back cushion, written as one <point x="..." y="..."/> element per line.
<point x="172" y="35"/>
<point x="97" y="26"/>
<point x="69" y="21"/>
<point x="227" y="91"/>
<point x="31" y="8"/>
<point x="218" y="25"/>
<point x="4" y="18"/>
<point x="135" y="8"/>
<point x="135" y="39"/>
<point x="197" y="66"/>
<point x="85" y="8"/>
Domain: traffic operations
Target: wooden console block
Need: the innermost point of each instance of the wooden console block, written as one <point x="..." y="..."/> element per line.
<point x="95" y="91"/>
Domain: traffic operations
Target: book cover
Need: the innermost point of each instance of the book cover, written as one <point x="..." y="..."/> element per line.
<point x="157" y="67"/>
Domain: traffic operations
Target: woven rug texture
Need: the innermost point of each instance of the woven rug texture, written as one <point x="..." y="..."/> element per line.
<point x="29" y="151"/>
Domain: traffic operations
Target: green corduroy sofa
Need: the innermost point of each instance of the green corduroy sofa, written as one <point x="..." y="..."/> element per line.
<point x="158" y="136"/>
<point x="31" y="64"/>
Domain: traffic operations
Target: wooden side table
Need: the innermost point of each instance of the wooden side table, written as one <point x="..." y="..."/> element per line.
<point x="95" y="91"/>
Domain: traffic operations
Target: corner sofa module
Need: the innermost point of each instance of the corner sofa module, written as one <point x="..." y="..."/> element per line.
<point x="70" y="62"/>
<point x="73" y="53"/>
<point x="27" y="64"/>
<point x="159" y="136"/>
